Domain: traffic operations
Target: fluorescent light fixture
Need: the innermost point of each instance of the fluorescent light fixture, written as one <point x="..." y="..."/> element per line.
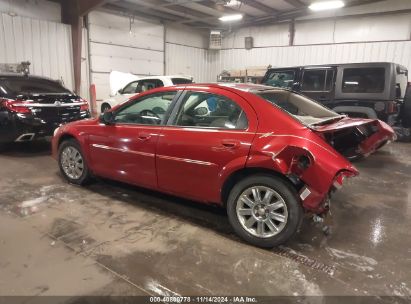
<point x="228" y="18"/>
<point x="232" y="3"/>
<point x="326" y="5"/>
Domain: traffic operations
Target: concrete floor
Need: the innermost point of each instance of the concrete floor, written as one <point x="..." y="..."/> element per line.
<point x="114" y="239"/>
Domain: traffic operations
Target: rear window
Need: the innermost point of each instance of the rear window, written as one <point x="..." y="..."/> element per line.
<point x="300" y="107"/>
<point x="21" y="86"/>
<point x="363" y="80"/>
<point x="181" y="80"/>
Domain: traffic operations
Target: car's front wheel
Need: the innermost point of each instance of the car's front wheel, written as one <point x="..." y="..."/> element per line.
<point x="264" y="210"/>
<point x="72" y="163"/>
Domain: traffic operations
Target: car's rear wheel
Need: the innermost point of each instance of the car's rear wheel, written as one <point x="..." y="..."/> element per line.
<point x="105" y="107"/>
<point x="72" y="163"/>
<point x="264" y="210"/>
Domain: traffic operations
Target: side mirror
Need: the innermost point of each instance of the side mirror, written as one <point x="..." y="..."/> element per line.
<point x="107" y="118"/>
<point x="120" y="91"/>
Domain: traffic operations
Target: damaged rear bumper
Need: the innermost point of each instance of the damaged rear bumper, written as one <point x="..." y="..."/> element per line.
<point x="319" y="202"/>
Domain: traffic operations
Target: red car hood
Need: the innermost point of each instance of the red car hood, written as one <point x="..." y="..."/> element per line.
<point x="356" y="136"/>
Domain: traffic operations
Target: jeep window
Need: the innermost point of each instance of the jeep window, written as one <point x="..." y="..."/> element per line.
<point x="363" y="80"/>
<point x="280" y="79"/>
<point x="11" y="87"/>
<point x="306" y="110"/>
<point x="181" y="80"/>
<point x="317" y="80"/>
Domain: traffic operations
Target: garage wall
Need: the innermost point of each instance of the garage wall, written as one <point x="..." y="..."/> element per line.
<point x="371" y="38"/>
<point x="46" y="44"/>
<point x="113" y="46"/>
<point x="187" y="53"/>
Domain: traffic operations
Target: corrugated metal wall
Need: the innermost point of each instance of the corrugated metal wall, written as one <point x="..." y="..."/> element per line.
<point x="353" y="39"/>
<point x="114" y="47"/>
<point x="399" y="52"/>
<point x="197" y="62"/>
<point x="47" y="45"/>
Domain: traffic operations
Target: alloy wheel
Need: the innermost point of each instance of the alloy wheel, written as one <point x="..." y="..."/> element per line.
<point x="72" y="162"/>
<point x="261" y="211"/>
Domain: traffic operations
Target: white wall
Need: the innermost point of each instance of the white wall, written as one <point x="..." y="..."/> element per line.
<point x="113" y="47"/>
<point x="46" y="44"/>
<point x="187" y="53"/>
<point x="338" y="40"/>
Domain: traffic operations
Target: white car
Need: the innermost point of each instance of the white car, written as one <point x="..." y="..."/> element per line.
<point x="141" y="85"/>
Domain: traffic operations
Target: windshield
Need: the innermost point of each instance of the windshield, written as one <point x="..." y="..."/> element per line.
<point x="279" y="79"/>
<point x="300" y="107"/>
<point x="11" y="87"/>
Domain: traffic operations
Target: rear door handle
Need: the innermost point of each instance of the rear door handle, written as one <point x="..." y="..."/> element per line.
<point x="230" y="143"/>
<point x="144" y="136"/>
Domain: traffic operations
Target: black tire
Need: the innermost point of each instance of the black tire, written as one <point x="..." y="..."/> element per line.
<point x="85" y="176"/>
<point x="105" y="107"/>
<point x="289" y="196"/>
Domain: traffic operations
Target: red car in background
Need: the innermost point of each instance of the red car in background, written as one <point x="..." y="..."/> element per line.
<point x="267" y="155"/>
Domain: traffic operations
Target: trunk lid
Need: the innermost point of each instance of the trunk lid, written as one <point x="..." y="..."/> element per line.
<point x="354" y="137"/>
<point x="54" y="109"/>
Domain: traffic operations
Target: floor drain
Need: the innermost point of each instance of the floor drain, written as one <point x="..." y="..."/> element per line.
<point x="304" y="260"/>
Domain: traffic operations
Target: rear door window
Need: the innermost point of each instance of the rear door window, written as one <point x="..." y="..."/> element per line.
<point x="280" y="79"/>
<point x="313" y="80"/>
<point x="363" y="80"/>
<point x="148" y="84"/>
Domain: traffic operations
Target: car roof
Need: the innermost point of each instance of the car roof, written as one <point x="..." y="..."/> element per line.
<point x="316" y="66"/>
<point x="245" y="87"/>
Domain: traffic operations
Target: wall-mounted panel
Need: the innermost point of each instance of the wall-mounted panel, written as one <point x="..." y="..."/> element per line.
<point x="47" y="45"/>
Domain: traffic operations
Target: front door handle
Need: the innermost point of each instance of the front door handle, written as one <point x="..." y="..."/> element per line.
<point x="144" y="136"/>
<point x="232" y="144"/>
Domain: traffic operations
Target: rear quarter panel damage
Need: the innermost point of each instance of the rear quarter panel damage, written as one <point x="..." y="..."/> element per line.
<point x="281" y="152"/>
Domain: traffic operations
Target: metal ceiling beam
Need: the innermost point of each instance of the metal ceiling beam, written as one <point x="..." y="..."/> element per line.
<point x="184" y="13"/>
<point x="296" y="3"/>
<point x="260" y="6"/>
<point x="132" y="9"/>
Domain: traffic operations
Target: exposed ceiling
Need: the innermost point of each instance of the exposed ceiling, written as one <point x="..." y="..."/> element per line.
<point x="205" y="13"/>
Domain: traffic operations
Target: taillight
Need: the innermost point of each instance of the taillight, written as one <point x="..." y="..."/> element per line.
<point x="17" y="106"/>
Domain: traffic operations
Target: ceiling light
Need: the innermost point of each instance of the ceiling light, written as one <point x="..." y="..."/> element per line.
<point x="326" y="5"/>
<point x="227" y="18"/>
<point x="232" y="3"/>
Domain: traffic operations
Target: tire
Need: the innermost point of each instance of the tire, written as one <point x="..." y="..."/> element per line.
<point x="70" y="154"/>
<point x="105" y="107"/>
<point x="287" y="215"/>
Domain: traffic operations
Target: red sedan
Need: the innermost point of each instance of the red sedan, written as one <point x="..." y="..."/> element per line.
<point x="267" y="155"/>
